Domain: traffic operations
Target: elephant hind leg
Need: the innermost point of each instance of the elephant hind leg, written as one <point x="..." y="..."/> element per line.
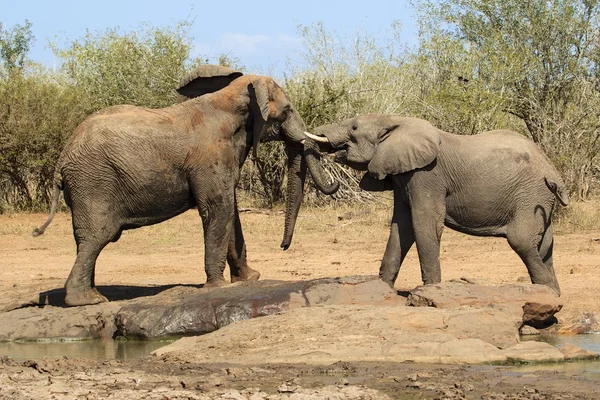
<point x="236" y="253"/>
<point x="545" y="249"/>
<point x="93" y="230"/>
<point x="530" y="247"/>
<point x="217" y="222"/>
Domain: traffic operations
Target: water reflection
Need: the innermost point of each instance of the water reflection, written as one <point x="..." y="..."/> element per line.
<point x="93" y="349"/>
<point x="586" y="341"/>
<point x="589" y="341"/>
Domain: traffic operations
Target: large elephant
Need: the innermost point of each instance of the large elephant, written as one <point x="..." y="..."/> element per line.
<point x="125" y="167"/>
<point x="497" y="183"/>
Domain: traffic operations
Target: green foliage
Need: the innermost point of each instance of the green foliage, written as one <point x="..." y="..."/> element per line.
<point x="14" y="46"/>
<point x="138" y="67"/>
<point x="40" y="109"/>
<point x="530" y="66"/>
<point x="536" y="61"/>
<point x="36" y="116"/>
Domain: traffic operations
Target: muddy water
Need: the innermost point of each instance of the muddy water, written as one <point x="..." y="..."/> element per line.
<point x="586" y="341"/>
<point x="91" y="349"/>
<point x="134" y="349"/>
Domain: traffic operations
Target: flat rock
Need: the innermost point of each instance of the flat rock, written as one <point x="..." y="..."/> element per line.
<point x="533" y="352"/>
<point x="576" y="353"/>
<point x="351" y="333"/>
<point x="527" y="330"/>
<point x="532" y="304"/>
<point x="183" y="310"/>
<point x="55" y="323"/>
<point x="197" y="311"/>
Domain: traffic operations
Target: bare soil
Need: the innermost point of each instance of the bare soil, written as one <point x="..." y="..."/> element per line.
<point x="328" y="243"/>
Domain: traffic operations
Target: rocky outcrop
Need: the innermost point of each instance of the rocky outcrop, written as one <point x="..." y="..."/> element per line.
<point x="532" y="304"/>
<point x="576" y="353"/>
<point x="325" y="335"/>
<point x="191" y="311"/>
<point x="182" y="311"/>
<point x="351" y="333"/>
<point x="54" y="323"/>
<point x="317" y="321"/>
<point x="533" y="352"/>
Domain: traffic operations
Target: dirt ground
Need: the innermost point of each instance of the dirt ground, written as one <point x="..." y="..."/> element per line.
<point x="328" y="242"/>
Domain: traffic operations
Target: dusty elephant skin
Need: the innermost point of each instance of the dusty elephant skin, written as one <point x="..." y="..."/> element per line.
<point x="125" y="167"/>
<point x="496" y="183"/>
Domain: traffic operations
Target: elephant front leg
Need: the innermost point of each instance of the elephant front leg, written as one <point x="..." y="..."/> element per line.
<point x="428" y="225"/>
<point x="399" y="243"/>
<point x="236" y="253"/>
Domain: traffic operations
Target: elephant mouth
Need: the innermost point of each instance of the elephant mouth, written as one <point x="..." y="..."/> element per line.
<point x="341" y="156"/>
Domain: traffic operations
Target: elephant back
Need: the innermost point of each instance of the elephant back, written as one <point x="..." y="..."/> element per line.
<point x="204" y="79"/>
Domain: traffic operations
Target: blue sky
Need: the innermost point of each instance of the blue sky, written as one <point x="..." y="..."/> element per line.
<point x="263" y="35"/>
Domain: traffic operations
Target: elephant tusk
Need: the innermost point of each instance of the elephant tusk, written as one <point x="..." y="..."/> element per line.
<point x="319" y="139"/>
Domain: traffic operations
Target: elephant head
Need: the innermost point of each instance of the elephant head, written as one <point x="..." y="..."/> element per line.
<point x="274" y="118"/>
<point x="383" y="145"/>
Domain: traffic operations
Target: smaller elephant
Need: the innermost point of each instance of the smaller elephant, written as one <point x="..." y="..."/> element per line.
<point x="497" y="183"/>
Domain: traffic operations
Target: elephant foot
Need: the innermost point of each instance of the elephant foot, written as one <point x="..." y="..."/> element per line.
<point x="248" y="274"/>
<point x="84" y="298"/>
<point x="389" y="282"/>
<point x="215" y="283"/>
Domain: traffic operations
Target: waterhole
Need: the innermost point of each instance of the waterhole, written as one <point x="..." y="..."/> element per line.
<point x="138" y="349"/>
<point x="91" y="349"/>
<point x="589" y="341"/>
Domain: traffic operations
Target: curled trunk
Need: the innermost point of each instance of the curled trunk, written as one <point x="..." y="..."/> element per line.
<point x="295" y="190"/>
<point x="313" y="160"/>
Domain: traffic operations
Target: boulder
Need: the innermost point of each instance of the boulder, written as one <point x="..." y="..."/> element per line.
<point x="530" y="351"/>
<point x="530" y="304"/>
<point x="193" y="311"/>
<point x="527" y="330"/>
<point x="182" y="310"/>
<point x="55" y="323"/>
<point x="575" y="353"/>
<point x="322" y="335"/>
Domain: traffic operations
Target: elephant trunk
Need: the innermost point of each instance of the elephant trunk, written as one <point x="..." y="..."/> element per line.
<point x="295" y="190"/>
<point x="313" y="157"/>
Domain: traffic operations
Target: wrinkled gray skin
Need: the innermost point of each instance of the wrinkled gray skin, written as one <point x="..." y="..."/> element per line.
<point x="125" y="167"/>
<point x="497" y="183"/>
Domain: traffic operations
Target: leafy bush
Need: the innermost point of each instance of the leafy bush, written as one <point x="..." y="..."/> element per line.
<point x="140" y="68"/>
<point x="480" y="65"/>
<point x="40" y="109"/>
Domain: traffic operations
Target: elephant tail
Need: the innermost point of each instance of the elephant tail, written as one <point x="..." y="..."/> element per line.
<point x="54" y="205"/>
<point x="559" y="191"/>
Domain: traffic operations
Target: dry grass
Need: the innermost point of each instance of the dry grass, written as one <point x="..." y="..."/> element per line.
<point x="582" y="216"/>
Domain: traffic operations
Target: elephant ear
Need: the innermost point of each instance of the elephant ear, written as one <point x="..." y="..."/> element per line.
<point x="405" y="146"/>
<point x="259" y="104"/>
<point x="205" y="79"/>
<point x="371" y="184"/>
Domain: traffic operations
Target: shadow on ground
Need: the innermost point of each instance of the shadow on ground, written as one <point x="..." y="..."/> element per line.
<point x="56" y="297"/>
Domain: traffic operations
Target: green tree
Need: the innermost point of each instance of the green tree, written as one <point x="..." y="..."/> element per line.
<point x="534" y="60"/>
<point x="139" y="67"/>
<point x="37" y="114"/>
<point x="14" y="46"/>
